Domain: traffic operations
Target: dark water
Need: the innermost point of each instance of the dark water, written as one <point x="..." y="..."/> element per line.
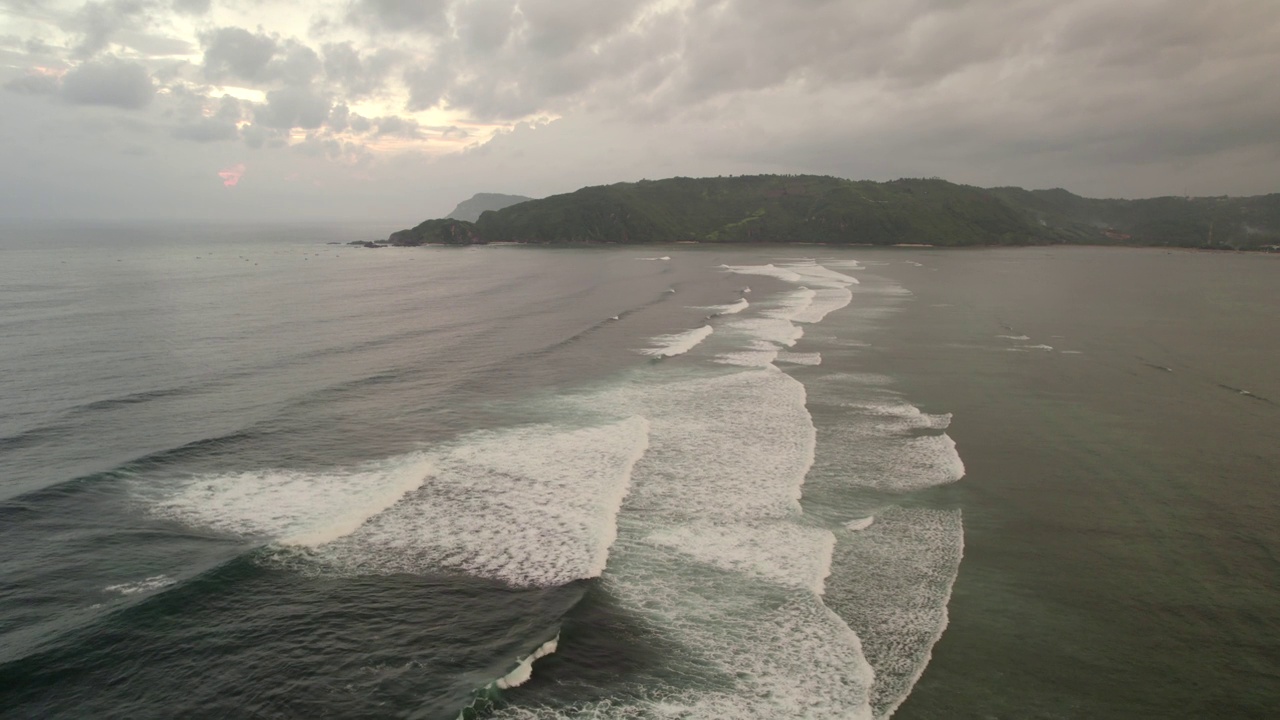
<point x="1121" y="504"/>
<point x="246" y="473"/>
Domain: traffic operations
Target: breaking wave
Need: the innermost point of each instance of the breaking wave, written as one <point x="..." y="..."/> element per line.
<point x="678" y="343"/>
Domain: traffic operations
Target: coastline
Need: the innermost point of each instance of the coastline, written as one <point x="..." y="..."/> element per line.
<point x="895" y="246"/>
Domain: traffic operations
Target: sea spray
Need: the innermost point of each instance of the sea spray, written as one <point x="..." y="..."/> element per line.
<point x="677" y="343"/>
<point x="489" y="697"/>
<point x="533" y="506"/>
<point x="291" y="507"/>
<point x="891" y="581"/>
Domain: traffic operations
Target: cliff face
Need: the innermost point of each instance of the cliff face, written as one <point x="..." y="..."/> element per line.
<point x="471" y="210"/>
<point x="818" y="209"/>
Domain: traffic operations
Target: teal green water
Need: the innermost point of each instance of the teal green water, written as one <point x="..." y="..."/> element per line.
<point x="1121" y="501"/>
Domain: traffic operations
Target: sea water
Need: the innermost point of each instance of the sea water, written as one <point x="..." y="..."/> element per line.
<point x="248" y="471"/>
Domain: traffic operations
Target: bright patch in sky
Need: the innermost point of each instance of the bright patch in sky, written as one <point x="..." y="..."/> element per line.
<point x="231" y="176"/>
<point x="415" y="104"/>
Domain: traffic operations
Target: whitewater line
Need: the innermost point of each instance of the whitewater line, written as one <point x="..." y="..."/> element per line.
<point x="677" y="343"/>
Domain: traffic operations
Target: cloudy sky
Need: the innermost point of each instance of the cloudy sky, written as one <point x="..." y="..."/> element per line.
<point x="396" y="110"/>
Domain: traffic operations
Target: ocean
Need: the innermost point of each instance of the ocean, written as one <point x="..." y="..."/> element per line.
<point x="255" y="472"/>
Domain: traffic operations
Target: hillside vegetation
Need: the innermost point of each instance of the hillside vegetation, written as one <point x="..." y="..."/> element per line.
<point x="819" y="209"/>
<point x="471" y="208"/>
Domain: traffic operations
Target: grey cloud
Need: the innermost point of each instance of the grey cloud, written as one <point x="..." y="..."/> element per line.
<point x="233" y="53"/>
<point x="359" y="75"/>
<point x="255" y="136"/>
<point x="192" y="7"/>
<point x="292" y="107"/>
<point x="297" y="65"/>
<point x="348" y="153"/>
<point x="97" y="22"/>
<point x="33" y="84"/>
<point x="203" y="120"/>
<point x="399" y="15"/>
<point x="151" y="44"/>
<point x="207" y="130"/>
<point x="229" y="109"/>
<point x="236" y="53"/>
<point x="339" y="117"/>
<point x="109" y="82"/>
<point x="506" y="62"/>
<point x="557" y="27"/>
<point x="484" y="25"/>
<point x="397" y="127"/>
<point x="36" y="46"/>
<point x="427" y="85"/>
<point x="1094" y="95"/>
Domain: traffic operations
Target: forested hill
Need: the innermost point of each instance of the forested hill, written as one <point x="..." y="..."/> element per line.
<point x="819" y="209"/>
<point x="471" y="208"/>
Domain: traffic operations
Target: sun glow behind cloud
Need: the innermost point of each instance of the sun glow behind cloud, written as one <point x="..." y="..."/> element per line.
<point x="304" y="66"/>
<point x="426" y="99"/>
<point x="231" y="176"/>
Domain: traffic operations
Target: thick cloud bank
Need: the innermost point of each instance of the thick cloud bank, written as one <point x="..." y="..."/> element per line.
<point x="410" y="99"/>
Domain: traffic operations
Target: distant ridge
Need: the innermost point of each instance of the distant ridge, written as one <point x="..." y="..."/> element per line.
<point x="771" y="209"/>
<point x="470" y="210"/>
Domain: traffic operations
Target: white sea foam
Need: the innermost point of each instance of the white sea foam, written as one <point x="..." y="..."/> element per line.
<point x="795" y="358"/>
<point x="714" y="557"/>
<point x="774" y="328"/>
<point x="292" y="507"/>
<point x="1072" y="352"/>
<point x="859" y="524"/>
<point x="871" y="379"/>
<point x="778" y="331"/>
<point x="532" y="506"/>
<point x="524" y="669"/>
<point x="155" y="582"/>
<point x="885" y="289"/>
<point x="678" y="343"/>
<point x="732" y="309"/>
<point x="830" y="291"/>
<point x="824" y="302"/>
<point x="880" y="447"/>
<point x="898" y="415"/>
<point x="767" y="270"/>
<point x="715" y="560"/>
<point x="742" y="657"/>
<point x="779" y="551"/>
<point x="664" y="257"/>
<point x="1014" y="337"/>
<point x="845" y="264"/>
<point x="739" y="594"/>
<point x="891" y="582"/>
<point x="1038" y="347"/>
<point x="758" y="353"/>
<point x="788" y="305"/>
<point x="912" y="464"/>
<point x="732" y="446"/>
<point x="818" y="273"/>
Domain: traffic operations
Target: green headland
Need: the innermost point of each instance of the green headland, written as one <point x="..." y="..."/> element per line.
<point x="836" y="211"/>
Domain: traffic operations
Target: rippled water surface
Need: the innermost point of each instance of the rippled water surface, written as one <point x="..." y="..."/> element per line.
<point x="253" y="472"/>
